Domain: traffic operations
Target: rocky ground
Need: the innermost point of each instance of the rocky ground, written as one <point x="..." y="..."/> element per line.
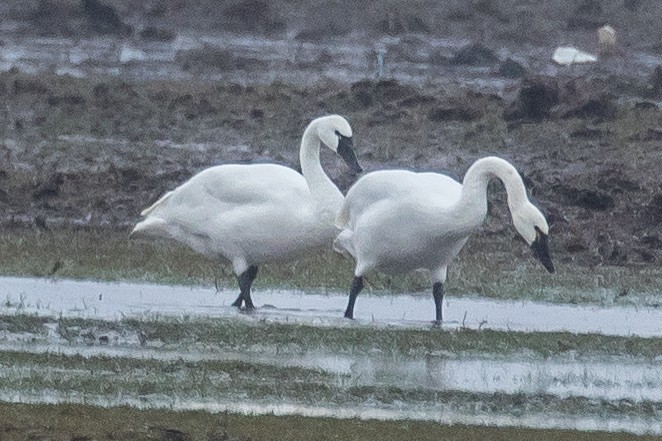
<point x="91" y="150"/>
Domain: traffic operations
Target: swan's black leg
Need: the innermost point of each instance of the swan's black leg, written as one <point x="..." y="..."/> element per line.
<point x="245" y="281"/>
<point x="438" y="294"/>
<point x="357" y="286"/>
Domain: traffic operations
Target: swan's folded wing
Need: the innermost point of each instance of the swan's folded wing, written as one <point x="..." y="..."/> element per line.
<point x="251" y="184"/>
<point x="156" y="204"/>
<point x="227" y="186"/>
<point x="397" y="186"/>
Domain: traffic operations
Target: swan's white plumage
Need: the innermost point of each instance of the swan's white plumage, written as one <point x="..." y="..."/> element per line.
<point x="399" y="221"/>
<point x="388" y="221"/>
<point x="258" y="213"/>
<point x="253" y="213"/>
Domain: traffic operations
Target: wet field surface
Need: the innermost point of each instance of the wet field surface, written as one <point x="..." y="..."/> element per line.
<point x="267" y="60"/>
<point x="112" y="301"/>
<point x="186" y="348"/>
<point x="114" y="115"/>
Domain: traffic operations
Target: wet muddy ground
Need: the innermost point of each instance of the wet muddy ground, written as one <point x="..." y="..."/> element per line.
<point x="185" y="348"/>
<point x="127" y="117"/>
<point x="102" y="112"/>
<point x="112" y="301"/>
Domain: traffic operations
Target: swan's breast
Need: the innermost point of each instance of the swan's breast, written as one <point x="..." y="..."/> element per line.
<point x="405" y="239"/>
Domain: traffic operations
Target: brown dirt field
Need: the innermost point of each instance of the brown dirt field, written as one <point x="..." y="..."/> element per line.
<point x="92" y="152"/>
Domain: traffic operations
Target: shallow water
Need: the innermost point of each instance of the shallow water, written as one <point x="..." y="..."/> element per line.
<point x="112" y="301"/>
<point x="614" y="379"/>
<point x="289" y="60"/>
<point x="438" y="413"/>
<point x="345" y="60"/>
<point x="534" y="383"/>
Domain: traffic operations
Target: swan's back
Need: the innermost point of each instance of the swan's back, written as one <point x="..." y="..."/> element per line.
<point x="224" y="186"/>
<point x="398" y="187"/>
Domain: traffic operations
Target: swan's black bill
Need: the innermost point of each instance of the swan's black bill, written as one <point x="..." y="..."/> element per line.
<point x="541" y="251"/>
<point x="346" y="152"/>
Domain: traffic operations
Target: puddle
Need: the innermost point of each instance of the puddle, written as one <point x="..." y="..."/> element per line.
<point x="112" y="301"/>
<point x="618" y="379"/>
<point x="541" y="392"/>
<point x="353" y="59"/>
<point x="438" y="413"/>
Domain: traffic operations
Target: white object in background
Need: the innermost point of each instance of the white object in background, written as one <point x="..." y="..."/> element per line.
<point x="566" y="56"/>
<point x="607" y="36"/>
<point x="128" y="54"/>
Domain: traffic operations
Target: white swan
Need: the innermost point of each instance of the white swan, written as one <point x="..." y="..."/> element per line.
<point x="399" y="221"/>
<point x="258" y="213"/>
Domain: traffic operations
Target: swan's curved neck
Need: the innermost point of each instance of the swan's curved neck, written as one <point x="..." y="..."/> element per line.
<point x="324" y="192"/>
<point x="473" y="201"/>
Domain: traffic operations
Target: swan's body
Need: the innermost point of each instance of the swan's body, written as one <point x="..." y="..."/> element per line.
<point x="260" y="213"/>
<point x="254" y="213"/>
<point x="398" y="221"/>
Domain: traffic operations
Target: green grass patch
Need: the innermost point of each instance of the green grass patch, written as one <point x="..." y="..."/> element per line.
<point x="160" y="383"/>
<point x="110" y="255"/>
<point x="67" y="422"/>
<point x="112" y="376"/>
<point x="293" y="338"/>
<point x="410" y="342"/>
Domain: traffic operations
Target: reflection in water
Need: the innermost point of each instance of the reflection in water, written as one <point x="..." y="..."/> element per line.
<point x="604" y="381"/>
<point x="439" y="413"/>
<point x="81" y="299"/>
<point x="615" y="379"/>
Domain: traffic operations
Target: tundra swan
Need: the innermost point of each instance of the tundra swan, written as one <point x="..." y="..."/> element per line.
<point x="258" y="213"/>
<point x="398" y="221"/>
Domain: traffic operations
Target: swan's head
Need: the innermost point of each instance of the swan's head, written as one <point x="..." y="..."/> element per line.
<point x="532" y="226"/>
<point x="335" y="132"/>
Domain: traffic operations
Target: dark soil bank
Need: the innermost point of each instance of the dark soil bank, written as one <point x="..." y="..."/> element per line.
<point x="91" y="152"/>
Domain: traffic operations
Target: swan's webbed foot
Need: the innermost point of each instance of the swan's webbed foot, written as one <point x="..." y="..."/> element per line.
<point x="249" y="304"/>
<point x="357" y="286"/>
<point x="237" y="303"/>
<point x="240" y="300"/>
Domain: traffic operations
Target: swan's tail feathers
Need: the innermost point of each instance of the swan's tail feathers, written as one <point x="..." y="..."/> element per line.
<point x="156" y="204"/>
<point x="152" y="226"/>
<point x="344" y="244"/>
<point x="342" y="219"/>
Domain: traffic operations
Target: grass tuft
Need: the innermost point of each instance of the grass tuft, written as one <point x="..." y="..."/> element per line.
<point x="110" y="255"/>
